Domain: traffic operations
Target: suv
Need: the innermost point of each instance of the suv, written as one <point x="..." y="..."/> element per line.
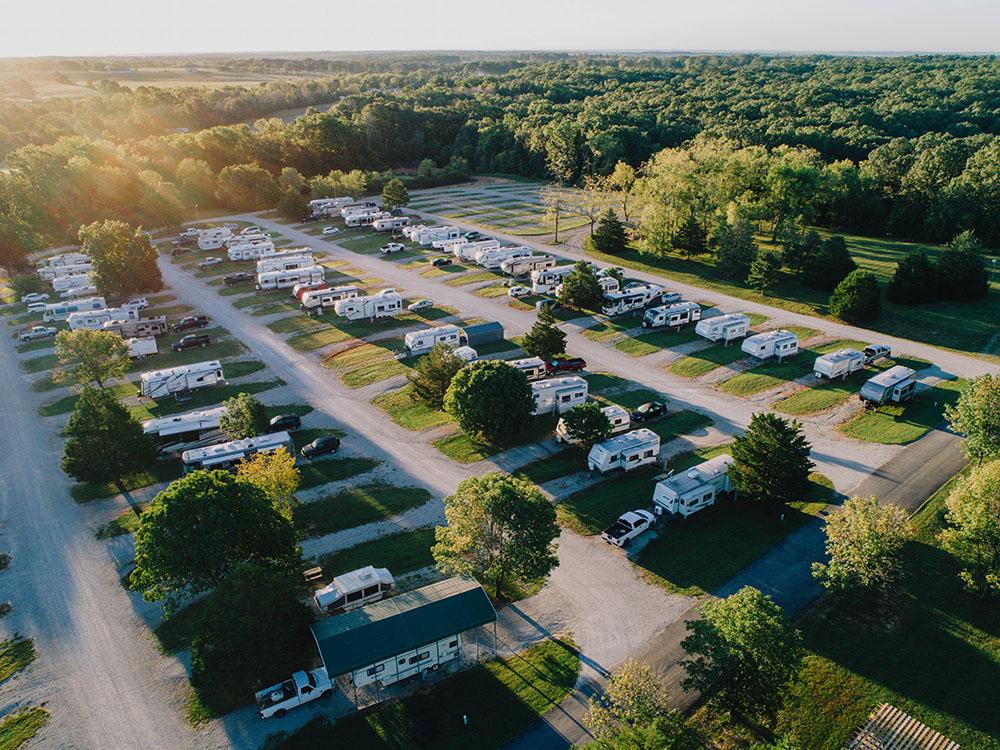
<point x="284" y="423"/>
<point x="320" y="446"/>
<point x="559" y="366"/>
<point x="34" y="297"/>
<point x="649" y="410"/>
<point x="240" y="277"/>
<point x="191" y="341"/>
<point x="191" y="322"/>
<point x="179" y="249"/>
<point x="875" y="352"/>
<point x="437" y="262"/>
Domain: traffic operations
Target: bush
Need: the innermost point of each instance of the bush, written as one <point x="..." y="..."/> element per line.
<point x="961" y="272"/>
<point x="857" y="298"/>
<point x="915" y="280"/>
<point x="828" y="265"/>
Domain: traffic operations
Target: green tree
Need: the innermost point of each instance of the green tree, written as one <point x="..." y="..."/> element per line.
<point x="91" y="356"/>
<point x="491" y="399"/>
<point x="610" y="235"/>
<point x="736" y="249"/>
<point x="962" y="274"/>
<point x="828" y="265"/>
<point x="274" y="474"/>
<point x="123" y="257"/>
<point x="765" y="272"/>
<point x="622" y="180"/>
<point x="691" y="237"/>
<point x="104" y="443"/>
<point x="501" y="530"/>
<point x="246" y="187"/>
<point x="433" y="373"/>
<point x="581" y="288"/>
<point x="545" y="339"/>
<point x="395" y="195"/>
<point x="915" y="280"/>
<point x="857" y="299"/>
<point x="798" y="245"/>
<point x="864" y="543"/>
<point x="587" y="424"/>
<point x="201" y="527"/>
<point x="291" y="179"/>
<point x="771" y="460"/>
<point x="633" y="700"/>
<point x="196" y="179"/>
<point x="243" y="416"/>
<point x="292" y="205"/>
<point x="743" y="652"/>
<point x="976" y="415"/>
<point x="972" y="533"/>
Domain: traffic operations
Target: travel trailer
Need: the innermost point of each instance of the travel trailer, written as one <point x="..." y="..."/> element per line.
<point x="545" y="281"/>
<point x="57" y="311"/>
<point x="286" y="261"/>
<point x="420" y="342"/>
<point x="466" y="353"/>
<point x="140" y="347"/>
<point x="617" y="416"/>
<point x="524" y="265"/>
<point x="838" y="364"/>
<point x="137" y="327"/>
<point x="213" y="239"/>
<point x="51" y="273"/>
<point x="723" y="327"/>
<point x="386" y="303"/>
<point x="466" y="251"/>
<point x="672" y="316"/>
<point x="780" y="344"/>
<point x="73" y="281"/>
<point x="79" y="292"/>
<point x="95" y="319"/>
<point x="694" y="489"/>
<point x="288" y="279"/>
<point x="630" y="298"/>
<point x="350" y="208"/>
<point x="558" y="395"/>
<point x="609" y="285"/>
<point x="320" y="298"/>
<point x="328" y="206"/>
<point x="895" y="385"/>
<point x="427" y="236"/>
<point x="227" y="455"/>
<point x="355" y="589"/>
<point x="171" y="381"/>
<point x="390" y="223"/>
<point x="250" y="250"/>
<point x="182" y="432"/>
<point x="626" y="452"/>
<point x="532" y="367"/>
<point x="65" y="259"/>
<point x="366" y="217"/>
<point x="493" y="258"/>
<point x="248" y="237"/>
<point x="299" y="290"/>
<point x="413" y="229"/>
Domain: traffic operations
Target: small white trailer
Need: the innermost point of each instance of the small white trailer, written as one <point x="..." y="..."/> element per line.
<point x="532" y="367"/>
<point x="723" y="327"/>
<point x="838" y="364"/>
<point x="228" y="454"/>
<point x="355" y="589"/>
<point x="288" y="279"/>
<point x="75" y="281"/>
<point x="95" y="319"/>
<point x="420" y="342"/>
<point x="137" y="328"/>
<point x="390" y="223"/>
<point x="354" y="207"/>
<point x="525" y="265"/>
<point x="173" y="380"/>
<point x="634" y="297"/>
<point x="466" y="353"/>
<point x="427" y="236"/>
<point x="366" y="217"/>
<point x="492" y="259"/>
<point x="213" y="239"/>
<point x="467" y="251"/>
<point x="672" y="316"/>
<point x="328" y="206"/>
<point x="51" y="273"/>
<point x="286" y="261"/>
<point x="57" y="311"/>
<point x="626" y="452"/>
<point x="328" y="297"/>
<point x="143" y="346"/>
<point x="617" y="416"/>
<point x="694" y="489"/>
<point x="780" y="344"/>
<point x="65" y="259"/>
<point x="384" y="304"/>
<point x="894" y="386"/>
<point x="79" y="292"/>
<point x="181" y="432"/>
<point x="558" y="395"/>
<point x="545" y="281"/>
<point x="250" y="250"/>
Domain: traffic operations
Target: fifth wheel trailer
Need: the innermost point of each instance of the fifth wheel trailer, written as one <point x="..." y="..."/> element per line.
<point x="672" y="316"/>
<point x="328" y="297"/>
<point x="419" y="342"/>
<point x="525" y="265"/>
<point x="723" y="327"/>
<point x="630" y="298"/>
<point x="288" y="279"/>
<point x="286" y="260"/>
<point x="386" y="303"/>
<point x="159" y="383"/>
<point x="626" y="452"/>
<point x="58" y="311"/>
<point x="226" y="455"/>
<point x="181" y="432"/>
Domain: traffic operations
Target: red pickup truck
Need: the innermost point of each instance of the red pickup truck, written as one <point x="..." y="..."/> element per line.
<point x="559" y="366"/>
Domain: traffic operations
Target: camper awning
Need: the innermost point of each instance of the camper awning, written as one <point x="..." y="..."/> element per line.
<point x="399" y="624"/>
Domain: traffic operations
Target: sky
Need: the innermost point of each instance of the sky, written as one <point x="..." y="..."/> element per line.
<point x="124" y="27"/>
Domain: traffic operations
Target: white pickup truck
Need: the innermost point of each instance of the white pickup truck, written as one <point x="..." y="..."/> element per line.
<point x="300" y="688"/>
<point x="627" y="527"/>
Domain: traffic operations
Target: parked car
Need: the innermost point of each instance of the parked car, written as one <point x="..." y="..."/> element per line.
<point x="320" y="447"/>
<point x="180" y="249"/>
<point x="649" y="410"/>
<point x="559" y="366"/>
<point x="240" y="277"/>
<point x="441" y="262"/>
<point x="628" y="527"/>
<point x="327" y="231"/>
<point x="191" y="341"/>
<point x="284" y="423"/>
<point x="137" y="303"/>
<point x="875" y="352"/>
<point x="671" y="298"/>
<point x="546" y="304"/>
<point x="518" y="291"/>
<point x="392" y="247"/>
<point x="191" y="322"/>
<point x="37" y="332"/>
<point x="420" y="304"/>
<point x="252" y="229"/>
<point x="209" y="262"/>
<point x="34" y="307"/>
<point x="189" y="232"/>
<point x="34" y="297"/>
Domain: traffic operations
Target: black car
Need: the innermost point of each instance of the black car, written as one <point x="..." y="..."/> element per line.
<point x="241" y="277"/>
<point x="320" y="447"/>
<point x="191" y="341"/>
<point x="191" y="322"/>
<point x="649" y="410"/>
<point x="284" y="423"/>
<point x="441" y="262"/>
<point x="557" y="366"/>
<point x="180" y="249"/>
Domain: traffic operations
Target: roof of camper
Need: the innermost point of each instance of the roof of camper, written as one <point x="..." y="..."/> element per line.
<point x="221" y="450"/>
<point x="780" y="335"/>
<point x="212" y="364"/>
<point x="182" y="422"/>
<point x="892" y="376"/>
<point x="628" y="440"/>
<point x="401" y="623"/>
<point x="569" y="381"/>
<point x="840" y="355"/>
<point x="698" y="475"/>
<point x="726" y="319"/>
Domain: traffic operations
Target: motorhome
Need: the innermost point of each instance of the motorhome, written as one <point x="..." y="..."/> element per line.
<point x="95" y="319"/>
<point x="355" y="589"/>
<point x="366" y="217"/>
<point x="895" y="385"/>
<point x="635" y="297"/>
<point x="227" y="455"/>
<point x="139" y="347"/>
<point x="384" y="304"/>
<point x="173" y="380"/>
<point x="65" y="259"/>
<point x="780" y="344"/>
<point x="137" y="327"/>
<point x="672" y="316"/>
<point x="62" y="310"/>
<point x="629" y="451"/>
<point x="617" y="416"/>
<point x="250" y="250"/>
<point x="350" y="208"/>
<point x="182" y="432"/>
<point x="73" y="281"/>
<point x="390" y="223"/>
<point x="467" y="251"/>
<point x="420" y="342"/>
<point x="532" y="367"/>
<point x="320" y="298"/>
<point x="558" y="395"/>
<point x="427" y="236"/>
<point x="493" y="258"/>
<point x="546" y="280"/>
<point x="526" y="264"/>
<point x="79" y="292"/>
<point x="838" y="364"/>
<point x="694" y="489"/>
<point x="286" y="260"/>
<point x="723" y="327"/>
<point x="288" y="279"/>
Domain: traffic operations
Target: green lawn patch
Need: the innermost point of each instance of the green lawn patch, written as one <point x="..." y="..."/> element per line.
<point x="801" y="332"/>
<point x="297" y="409"/>
<point x="401" y="553"/>
<point x="365" y="363"/>
<point x="466" y="449"/>
<point x="325" y="470"/>
<point x="769" y="374"/>
<point x="496" y="347"/>
<point x="164" y="470"/>
<point x="359" y="505"/>
<point x="22" y="725"/>
<point x="125" y="522"/>
<point x="204" y="398"/>
<point x="634" y="398"/>
<point x="567" y="461"/>
<point x="37" y="345"/>
<point x="654" y="341"/>
<point x="601" y="382"/>
<point x="471" y="278"/>
<point x="37" y="364"/>
<point x="491" y="292"/>
<point x="222" y="346"/>
<point x="678" y="423"/>
<point x="242" y="368"/>
<point x="15" y="654"/>
<point x="258" y="299"/>
<point x="273" y="308"/>
<point x="295" y="324"/>
<point x="703" y="362"/>
<point x="898" y="424"/>
<point x="66" y="403"/>
<point x="592" y="510"/>
<point x="408" y="412"/>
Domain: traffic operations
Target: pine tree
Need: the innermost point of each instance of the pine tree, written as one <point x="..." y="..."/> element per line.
<point x="771" y="460"/>
<point x="691" y="237"/>
<point x="962" y="274"/>
<point x="857" y="299"/>
<point x="828" y="264"/>
<point x="765" y="272"/>
<point x="610" y="235"/>
<point x="544" y="339"/>
<point x="915" y="280"/>
<point x="433" y="374"/>
<point x="581" y="288"/>
<point x="736" y="249"/>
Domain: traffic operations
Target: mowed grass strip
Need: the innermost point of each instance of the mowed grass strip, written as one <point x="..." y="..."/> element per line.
<point x="769" y="374"/>
<point x="897" y="424"/>
<point x="555" y="465"/>
<point x="366" y="363"/>
<point x="408" y="412"/>
<point x="472" y="278"/>
<point x="590" y="511"/>
<point x="703" y="362"/>
<point x="15" y="654"/>
<point x="20" y="726"/>
<point x="645" y="344"/>
<point x="37" y="364"/>
<point x="164" y="470"/>
<point x="326" y="470"/>
<point x="359" y="505"/>
<point x="401" y="553"/>
<point x="466" y="449"/>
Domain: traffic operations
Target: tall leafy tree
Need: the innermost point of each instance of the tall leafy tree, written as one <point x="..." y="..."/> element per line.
<point x="857" y="299"/>
<point x="395" y="195"/>
<point x="292" y="204"/>
<point x="123" y="256"/>
<point x="246" y="187"/>
<point x="581" y="288"/>
<point x="545" y="339"/>
<point x="634" y="701"/>
<point x="274" y="474"/>
<point x="243" y="416"/>
<point x="736" y="249"/>
<point x="622" y="180"/>
<point x="972" y="533"/>
<point x="587" y="424"/>
<point x="433" y="373"/>
<point x="765" y="272"/>
<point x="828" y="264"/>
<point x="89" y="356"/>
<point x="691" y="237"/>
<point x="491" y="399"/>
<point x="771" y="460"/>
<point x="977" y="416"/>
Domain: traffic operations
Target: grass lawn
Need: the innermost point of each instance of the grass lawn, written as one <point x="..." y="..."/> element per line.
<point x="15" y="654"/>
<point x="491" y="292"/>
<point x="37" y="364"/>
<point x="633" y="398"/>
<point x="484" y="706"/>
<point x="401" y="553"/>
<point x="204" y="398"/>
<point x="278" y="306"/>
<point x="37" y="345"/>
<point x="324" y="470"/>
<point x="471" y="278"/>
<point x="897" y="424"/>
<point x="593" y="509"/>
<point x="601" y="382"/>
<point x="125" y="522"/>
<point x="703" y="362"/>
<point x="678" y="423"/>
<point x="466" y="449"/>
<point x="258" y="299"/>
<point x="769" y="374"/>
<point x="407" y="412"/>
<point x="65" y="404"/>
<point x="20" y="726"/>
<point x="222" y="346"/>
<point x="654" y="341"/>
<point x="365" y="503"/>
<point x="555" y="465"/>
<point x="365" y="363"/>
<point x="164" y="470"/>
<point x="297" y="409"/>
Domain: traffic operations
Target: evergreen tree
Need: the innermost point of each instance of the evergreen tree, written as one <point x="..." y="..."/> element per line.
<point x="915" y="280"/>
<point x="544" y="339"/>
<point x="610" y="235"/>
<point x="771" y="461"/>
<point x="828" y="264"/>
<point x="857" y="298"/>
<point x="765" y="272"/>
<point x="736" y="249"/>
<point x="961" y="272"/>
<point x="395" y="195"/>
<point x="691" y="237"/>
<point x="433" y="374"/>
<point x="581" y="288"/>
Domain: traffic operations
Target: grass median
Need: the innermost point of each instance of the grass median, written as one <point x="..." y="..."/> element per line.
<point x="897" y="424"/>
<point x="408" y="412"/>
<point x="366" y="503"/>
<point x="400" y="553"/>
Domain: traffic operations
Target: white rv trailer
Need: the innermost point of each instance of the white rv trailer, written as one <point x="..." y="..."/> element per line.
<point x="390" y="223"/>
<point x="634" y="297"/>
<point x="355" y="589"/>
<point x="143" y="346"/>
<point x="182" y="432"/>
<point x="213" y="239"/>
<point x="62" y="310"/>
<point x="329" y="296"/>
<point x="412" y="229"/>
<point x="617" y="416"/>
<point x="780" y="344"/>
<point x="609" y="285"/>
<point x="78" y="292"/>
<point x="386" y="303"/>
<point x="546" y="280"/>
<point x="300" y="289"/>
<point x="491" y="259"/>
<point x="467" y="251"/>
<point x="248" y="238"/>
<point x="95" y="319"/>
<point x="250" y="250"/>
<point x="419" y="342"/>
<point x="838" y="364"/>
<point x="723" y="327"/>
<point x="286" y="260"/>
<point x="466" y="353"/>
<point x="449" y="245"/>
<point x="558" y="395"/>
<point x="366" y="217"/>
<point x="226" y="455"/>
<point x="137" y="327"/>
<point x="288" y="279"/>
<point x="672" y="316"/>
<point x="694" y="489"/>
<point x="532" y="367"/>
<point x="73" y="281"/>
<point x="350" y="208"/>
<point x="49" y="273"/>
<point x="328" y="206"/>
<point x="65" y="259"/>
<point x="626" y="452"/>
<point x="427" y="236"/>
<point x="159" y="383"/>
<point x="895" y="385"/>
<point x="525" y="265"/>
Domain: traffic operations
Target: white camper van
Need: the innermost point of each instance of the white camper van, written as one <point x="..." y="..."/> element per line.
<point x="532" y="367"/>
<point x="182" y="432"/>
<point x="288" y="279"/>
<point x="390" y="223"/>
<point x="286" y="260"/>
<point x="635" y="297"/>
<point x="419" y="342"/>
<point x="558" y="395"/>
<point x="526" y="264"/>
<point x="57" y="311"/>
<point x="895" y="385"/>
<point x="723" y="327"/>
<point x="386" y="303"/>
<point x="226" y="455"/>
<point x="780" y="344"/>
<point x="838" y="364"/>
<point x="689" y="491"/>
<point x="494" y="258"/>
<point x="629" y="451"/>
<point x="328" y="297"/>
<point x="546" y="281"/>
<point x="159" y="383"/>
<point x="672" y="316"/>
<point x="355" y="589"/>
<point x="617" y="416"/>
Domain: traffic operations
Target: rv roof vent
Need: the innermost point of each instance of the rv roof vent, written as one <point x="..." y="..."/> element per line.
<point x="692" y="474"/>
<point x="366" y="574"/>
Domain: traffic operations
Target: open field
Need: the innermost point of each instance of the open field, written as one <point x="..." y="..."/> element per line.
<point x="897" y="424"/>
<point x="703" y="362"/>
<point x="407" y="412"/>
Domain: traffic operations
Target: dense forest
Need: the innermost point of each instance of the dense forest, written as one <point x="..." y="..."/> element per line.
<point x="903" y="146"/>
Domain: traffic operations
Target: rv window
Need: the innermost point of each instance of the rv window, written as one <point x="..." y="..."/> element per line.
<point x="371" y="590"/>
<point x="376" y="669"/>
<point x="707" y="497"/>
<point x="634" y="457"/>
<point x="565" y="397"/>
<point x="385" y="586"/>
<point x="612" y="459"/>
<point x="424" y="655"/>
<point x="338" y="602"/>
<point x="413" y="660"/>
<point x="353" y="596"/>
<point x="647" y="454"/>
<point x="403" y="660"/>
<point x="453" y="644"/>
